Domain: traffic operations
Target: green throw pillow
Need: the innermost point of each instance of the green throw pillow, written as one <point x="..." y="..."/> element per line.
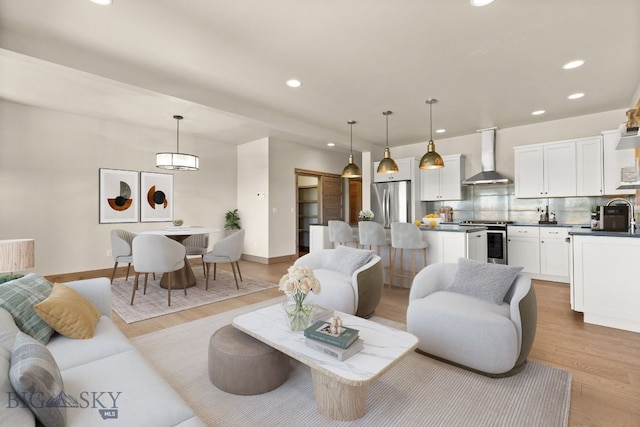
<point x="19" y="296"/>
<point x="35" y="375"/>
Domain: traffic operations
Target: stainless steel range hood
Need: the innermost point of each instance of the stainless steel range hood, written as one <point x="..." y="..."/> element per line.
<point x="488" y="174"/>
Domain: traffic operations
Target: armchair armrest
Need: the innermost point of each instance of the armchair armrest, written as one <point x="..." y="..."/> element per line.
<point x="524" y="313"/>
<point x="98" y="291"/>
<point x="433" y="278"/>
<point x="368" y="283"/>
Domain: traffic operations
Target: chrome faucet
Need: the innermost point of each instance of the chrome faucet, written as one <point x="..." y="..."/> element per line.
<point x="632" y="217"/>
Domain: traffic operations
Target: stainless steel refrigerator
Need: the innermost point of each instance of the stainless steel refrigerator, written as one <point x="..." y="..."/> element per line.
<point x="391" y="201"/>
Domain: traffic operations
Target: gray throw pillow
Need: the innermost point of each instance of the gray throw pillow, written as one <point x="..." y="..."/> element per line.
<point x="19" y="296"/>
<point x="35" y="376"/>
<point x="347" y="260"/>
<point x="483" y="280"/>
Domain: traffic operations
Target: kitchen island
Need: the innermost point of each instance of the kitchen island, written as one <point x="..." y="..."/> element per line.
<point x="605" y="280"/>
<point x="447" y="243"/>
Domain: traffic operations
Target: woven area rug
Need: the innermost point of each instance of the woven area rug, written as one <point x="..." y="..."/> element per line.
<point x="154" y="302"/>
<point x="419" y="391"/>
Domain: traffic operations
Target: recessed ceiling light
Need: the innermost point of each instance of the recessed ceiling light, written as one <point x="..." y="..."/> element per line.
<point x="331" y="144"/>
<point x="538" y="112"/>
<point x="294" y="83"/>
<point x="101" y="2"/>
<point x="441" y="130"/>
<point x="573" y="64"/>
<point x="479" y="3"/>
<point x="575" y="95"/>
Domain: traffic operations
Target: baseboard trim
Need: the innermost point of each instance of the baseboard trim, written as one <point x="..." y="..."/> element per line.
<point x="263" y="260"/>
<point x="122" y="269"/>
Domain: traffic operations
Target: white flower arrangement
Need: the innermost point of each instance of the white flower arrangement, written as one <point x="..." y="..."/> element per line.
<point x="299" y="280"/>
<point x="296" y="285"/>
<point x="365" y="215"/>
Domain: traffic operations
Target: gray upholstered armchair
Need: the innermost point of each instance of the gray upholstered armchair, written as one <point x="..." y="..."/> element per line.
<point x="351" y="280"/>
<point x="471" y="331"/>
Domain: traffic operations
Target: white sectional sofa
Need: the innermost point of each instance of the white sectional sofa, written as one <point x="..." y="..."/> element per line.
<point x="111" y="381"/>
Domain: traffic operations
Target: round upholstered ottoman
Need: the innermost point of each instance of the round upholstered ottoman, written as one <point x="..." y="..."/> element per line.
<point x="240" y="364"/>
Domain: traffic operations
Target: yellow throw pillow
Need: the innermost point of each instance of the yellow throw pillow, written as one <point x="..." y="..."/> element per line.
<point x="68" y="312"/>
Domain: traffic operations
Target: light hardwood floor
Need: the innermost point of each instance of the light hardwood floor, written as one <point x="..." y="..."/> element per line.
<point x="605" y="362"/>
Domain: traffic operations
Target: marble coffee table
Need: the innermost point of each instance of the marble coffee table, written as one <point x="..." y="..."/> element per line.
<point x="340" y="387"/>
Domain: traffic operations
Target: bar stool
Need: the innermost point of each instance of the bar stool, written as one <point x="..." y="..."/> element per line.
<point x="406" y="235"/>
<point x="373" y="234"/>
<point x="341" y="233"/>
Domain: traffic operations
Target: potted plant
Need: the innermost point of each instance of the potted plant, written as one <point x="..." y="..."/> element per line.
<point x="232" y="220"/>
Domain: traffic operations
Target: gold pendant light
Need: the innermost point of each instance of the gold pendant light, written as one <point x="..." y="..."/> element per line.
<point x="351" y="170"/>
<point x="387" y="165"/>
<point x="431" y="159"/>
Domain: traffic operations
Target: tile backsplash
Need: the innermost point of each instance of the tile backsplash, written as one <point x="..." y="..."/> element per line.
<point x="498" y="202"/>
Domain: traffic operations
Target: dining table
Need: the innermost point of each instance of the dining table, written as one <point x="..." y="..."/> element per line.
<point x="179" y="234"/>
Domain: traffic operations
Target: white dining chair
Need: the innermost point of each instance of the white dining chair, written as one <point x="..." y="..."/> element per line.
<point x="156" y="254"/>
<point x="228" y="249"/>
<point x="197" y="245"/>
<point x="121" y="249"/>
<point x="406" y="235"/>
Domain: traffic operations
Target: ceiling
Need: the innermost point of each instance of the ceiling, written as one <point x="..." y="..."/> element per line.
<point x="223" y="64"/>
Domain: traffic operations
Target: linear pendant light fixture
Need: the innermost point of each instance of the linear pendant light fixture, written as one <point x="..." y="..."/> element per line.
<point x="431" y="159"/>
<point x="177" y="161"/>
<point x="351" y="170"/>
<point x="387" y="165"/>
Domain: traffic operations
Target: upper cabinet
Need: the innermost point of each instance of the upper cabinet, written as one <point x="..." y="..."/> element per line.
<point x="445" y="183"/>
<point x="614" y="160"/>
<point x="588" y="166"/>
<point x="405" y="166"/>
<point x="545" y="170"/>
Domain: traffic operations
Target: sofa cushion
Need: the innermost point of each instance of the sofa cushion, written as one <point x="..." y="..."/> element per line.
<point x="13" y="412"/>
<point x="8" y="330"/>
<point x="347" y="260"/>
<point x="125" y="387"/>
<point x="18" y="298"/>
<point x="35" y="375"/>
<point x="68" y="312"/>
<point x="107" y="341"/>
<point x="483" y="280"/>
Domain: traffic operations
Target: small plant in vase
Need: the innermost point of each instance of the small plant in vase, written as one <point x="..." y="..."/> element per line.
<point x="296" y="285"/>
<point x="365" y="215"/>
<point x="232" y="220"/>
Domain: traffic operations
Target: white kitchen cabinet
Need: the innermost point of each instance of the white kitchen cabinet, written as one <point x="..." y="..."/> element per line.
<point x="613" y="162"/>
<point x="477" y="246"/>
<point x="405" y="168"/>
<point x="523" y="248"/>
<point x="445" y="246"/>
<point x="605" y="280"/>
<point x="543" y="251"/>
<point x="545" y="170"/>
<point x="444" y="183"/>
<point x="554" y="253"/>
<point x="589" y="166"/>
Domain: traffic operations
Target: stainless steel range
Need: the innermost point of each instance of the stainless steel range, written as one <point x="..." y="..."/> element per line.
<point x="496" y="239"/>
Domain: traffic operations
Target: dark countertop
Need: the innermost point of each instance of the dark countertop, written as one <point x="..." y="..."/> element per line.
<point x="535" y="224"/>
<point x="454" y="228"/>
<point x="582" y="231"/>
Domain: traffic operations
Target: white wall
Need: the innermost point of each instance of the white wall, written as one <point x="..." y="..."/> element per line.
<point x="253" y="196"/>
<point x="284" y="158"/>
<point x="49" y="163"/>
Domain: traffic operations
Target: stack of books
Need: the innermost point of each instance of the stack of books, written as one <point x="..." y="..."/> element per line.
<point x="340" y="346"/>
